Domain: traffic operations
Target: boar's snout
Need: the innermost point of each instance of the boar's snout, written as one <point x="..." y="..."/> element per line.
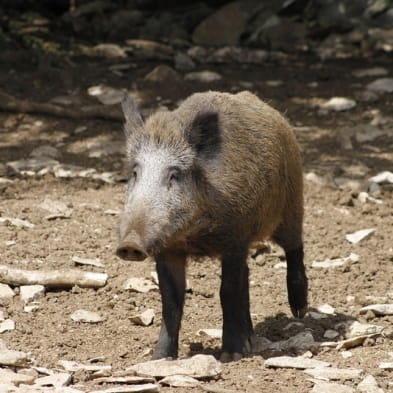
<point x="130" y="251"/>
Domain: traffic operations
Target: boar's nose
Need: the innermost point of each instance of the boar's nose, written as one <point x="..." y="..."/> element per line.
<point x="130" y="251"/>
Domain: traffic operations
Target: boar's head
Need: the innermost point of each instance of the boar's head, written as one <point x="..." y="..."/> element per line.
<point x="167" y="158"/>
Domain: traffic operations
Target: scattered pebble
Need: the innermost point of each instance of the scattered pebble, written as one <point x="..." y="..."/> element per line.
<point x="55" y="380"/>
<point x="358" y="236"/>
<point x="145" y="388"/>
<point x="9" y="377"/>
<point x="328" y="387"/>
<point x="331" y="334"/>
<point x="29" y="293"/>
<point x="336" y="262"/>
<point x="356" y="329"/>
<point x="87" y="261"/>
<point x="179" y="381"/>
<point x="72" y="366"/>
<point x="346" y="354"/>
<point x="335" y="374"/>
<point x="198" y="366"/>
<point x="369" y="385"/>
<point x="383" y="177"/>
<point x="9" y="357"/>
<point x="381" y="85"/>
<point x="326" y="309"/>
<point x="203" y="76"/>
<point x="378" y="309"/>
<point x="212" y="333"/>
<point x="6" y="292"/>
<point x="374" y="71"/>
<point x="139" y="284"/>
<point x="17" y="222"/>
<point x="144" y="319"/>
<point x="386" y="365"/>
<point x="107" y="95"/>
<point x="125" y="379"/>
<point x="338" y="104"/>
<point x="7" y="325"/>
<point x="298" y="362"/>
<point x="86" y="316"/>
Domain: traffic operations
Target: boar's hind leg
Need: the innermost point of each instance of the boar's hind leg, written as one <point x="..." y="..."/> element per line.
<point x="171" y="276"/>
<point x="297" y="286"/>
<point x="234" y="295"/>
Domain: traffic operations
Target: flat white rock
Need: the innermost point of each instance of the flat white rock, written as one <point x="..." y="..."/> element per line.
<point x="17" y="222"/>
<point x="327" y="387"/>
<point x="140" y="284"/>
<point x="145" y="388"/>
<point x="9" y="357"/>
<point x="357" y="236"/>
<point x="298" y="362"/>
<point x="381" y="85"/>
<point x="326" y="309"/>
<point x="339" y="104"/>
<point x="357" y="329"/>
<point x="29" y="293"/>
<point x="57" y="209"/>
<point x="383" y="177"/>
<point x="369" y="385"/>
<point x="129" y="379"/>
<point x="180" y="381"/>
<point x="212" y="333"/>
<point x="331" y="334"/>
<point x="374" y="71"/>
<point x="333" y="373"/>
<point x="72" y="366"/>
<point x="351" y="342"/>
<point x="7" y="325"/>
<point x="86" y="316"/>
<point x="144" y="319"/>
<point x="88" y="261"/>
<point x="386" y="365"/>
<point x="203" y="76"/>
<point x="198" y="366"/>
<point x="378" y="309"/>
<point x="336" y="262"/>
<point x="6" y="292"/>
<point x="55" y="380"/>
<point x="7" y="377"/>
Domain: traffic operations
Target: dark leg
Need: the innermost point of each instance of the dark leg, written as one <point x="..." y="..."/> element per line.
<point x="171" y="275"/>
<point x="296" y="282"/>
<point x="234" y="295"/>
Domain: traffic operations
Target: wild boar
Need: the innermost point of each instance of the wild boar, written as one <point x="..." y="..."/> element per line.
<point x="209" y="178"/>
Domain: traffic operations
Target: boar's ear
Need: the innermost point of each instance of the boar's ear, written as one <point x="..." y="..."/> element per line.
<point x="132" y="115"/>
<point x="203" y="134"/>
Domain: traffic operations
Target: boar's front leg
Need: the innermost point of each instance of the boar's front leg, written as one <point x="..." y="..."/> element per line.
<point x="171" y="276"/>
<point x="235" y="302"/>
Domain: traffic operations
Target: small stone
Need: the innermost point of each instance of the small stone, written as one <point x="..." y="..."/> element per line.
<point x="299" y="343"/>
<point x="29" y="293"/>
<point x="339" y="104"/>
<point x="211" y="333"/>
<point x="336" y="374"/>
<point x="87" y="316"/>
<point x="383" y="177"/>
<point x="72" y="366"/>
<point x="55" y="380"/>
<point x="57" y="209"/>
<point x="203" y="76"/>
<point x="327" y="387"/>
<point x="45" y="151"/>
<point x="357" y="329"/>
<point x="369" y="385"/>
<point x="184" y="62"/>
<point x="6" y="293"/>
<point x="346" y="354"/>
<point x="351" y="342"/>
<point x="107" y="95"/>
<point x="337" y="262"/>
<point x="386" y="365"/>
<point x="382" y="85"/>
<point x="179" y="381"/>
<point x="31" y="307"/>
<point x="13" y="358"/>
<point x="124" y="379"/>
<point x="9" y="377"/>
<point x="17" y="222"/>
<point x="378" y="309"/>
<point x="314" y="178"/>
<point x="139" y="284"/>
<point x="298" y="362"/>
<point x="358" y="236"/>
<point x="144" y="388"/>
<point x="198" y="366"/>
<point x="144" y="319"/>
<point x="7" y="325"/>
<point x="331" y="334"/>
<point x="87" y="261"/>
<point x="162" y="74"/>
<point x="317" y="315"/>
<point x="326" y="309"/>
<point x="106" y="50"/>
<point x="374" y="71"/>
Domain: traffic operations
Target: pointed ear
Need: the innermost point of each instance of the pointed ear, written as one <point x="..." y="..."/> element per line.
<point x="131" y="113"/>
<point x="204" y="135"/>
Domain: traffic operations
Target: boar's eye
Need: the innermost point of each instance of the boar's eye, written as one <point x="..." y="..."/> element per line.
<point x="173" y="176"/>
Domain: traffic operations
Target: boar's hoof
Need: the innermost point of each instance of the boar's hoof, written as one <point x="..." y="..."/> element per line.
<point x="130" y="251"/>
<point x="299" y="312"/>
<point x="227" y="357"/>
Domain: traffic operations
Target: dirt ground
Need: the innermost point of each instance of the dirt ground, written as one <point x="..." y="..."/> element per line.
<point x="49" y="334"/>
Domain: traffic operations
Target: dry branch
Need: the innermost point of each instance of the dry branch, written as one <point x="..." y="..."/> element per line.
<point x="53" y="278"/>
<point x="12" y="104"/>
